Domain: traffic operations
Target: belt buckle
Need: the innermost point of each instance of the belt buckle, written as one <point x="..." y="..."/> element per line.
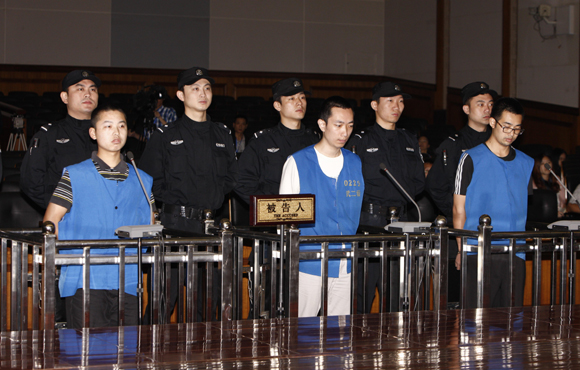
<point x="371" y="209"/>
<point x="182" y="212"/>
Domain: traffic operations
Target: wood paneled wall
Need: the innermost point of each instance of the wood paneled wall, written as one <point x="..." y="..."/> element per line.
<point x="544" y="123"/>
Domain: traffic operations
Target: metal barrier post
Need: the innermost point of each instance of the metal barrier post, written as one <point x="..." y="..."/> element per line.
<point x="537" y="278"/>
<point x="156" y="269"/>
<point x="35" y="287"/>
<point x="24" y="287"/>
<point x="572" y="273"/>
<point x="563" y="275"/>
<point x="274" y="266"/>
<point x="191" y="286"/>
<point x="354" y="278"/>
<point x="227" y="249"/>
<point x="4" y="286"/>
<point x="86" y="286"/>
<point x="392" y="300"/>
<point x="512" y="283"/>
<point x="365" y="278"/>
<point x="483" y="261"/>
<point x="256" y="279"/>
<point x="324" y="278"/>
<point x="16" y="292"/>
<point x="48" y="274"/>
<point x="553" y="276"/>
<point x="441" y="268"/>
<point x="463" y="273"/>
<point x="408" y="273"/>
<point x="292" y="263"/>
<point x="238" y="285"/>
<point x="121" y="293"/>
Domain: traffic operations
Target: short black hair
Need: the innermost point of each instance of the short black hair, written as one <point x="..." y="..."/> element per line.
<point x="333" y="102"/>
<point x="511" y="105"/>
<point x="104" y="108"/>
<point x="240" y="116"/>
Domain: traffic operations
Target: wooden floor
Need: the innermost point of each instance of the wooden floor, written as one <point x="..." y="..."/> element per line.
<point x="522" y="338"/>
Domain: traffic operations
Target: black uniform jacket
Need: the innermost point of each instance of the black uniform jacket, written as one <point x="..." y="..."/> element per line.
<point x="193" y="164"/>
<point x="52" y="148"/>
<point x="263" y="159"/>
<point x="399" y="151"/>
<point x="442" y="175"/>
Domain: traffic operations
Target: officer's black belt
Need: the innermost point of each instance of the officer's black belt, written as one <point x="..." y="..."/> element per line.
<point x="375" y="209"/>
<point x="190" y="213"/>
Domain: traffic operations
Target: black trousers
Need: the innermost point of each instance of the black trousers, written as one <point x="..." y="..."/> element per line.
<point x="104" y="309"/>
<point x="499" y="284"/>
<point x="195" y="226"/>
<point x="374" y="272"/>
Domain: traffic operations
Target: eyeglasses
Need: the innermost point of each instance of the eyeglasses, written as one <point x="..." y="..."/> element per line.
<point x="509" y="130"/>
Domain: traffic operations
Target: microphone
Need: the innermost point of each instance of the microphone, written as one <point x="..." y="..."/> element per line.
<point x="152" y="207"/>
<point x="384" y="168"/>
<point x="549" y="168"/>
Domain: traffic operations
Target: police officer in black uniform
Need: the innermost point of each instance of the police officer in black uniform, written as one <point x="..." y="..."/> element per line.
<point x="64" y="142"/>
<point x="477" y="100"/>
<point x="192" y="162"/>
<point x="60" y="144"/>
<point x="399" y="150"/>
<point x="477" y="104"/>
<point x="264" y="157"/>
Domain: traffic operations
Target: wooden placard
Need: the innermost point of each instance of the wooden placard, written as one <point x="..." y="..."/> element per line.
<point x="282" y="209"/>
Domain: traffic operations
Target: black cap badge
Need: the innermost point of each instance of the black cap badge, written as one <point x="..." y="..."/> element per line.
<point x="397" y="88"/>
<point x="483" y="86"/>
<point x="199" y="72"/>
<point x="85" y="74"/>
<point x="296" y="83"/>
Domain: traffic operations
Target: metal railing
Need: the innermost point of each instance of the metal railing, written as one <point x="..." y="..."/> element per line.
<point x="34" y="255"/>
<point x="421" y="259"/>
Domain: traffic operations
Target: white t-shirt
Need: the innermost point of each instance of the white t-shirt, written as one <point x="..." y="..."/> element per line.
<point x="290" y="181"/>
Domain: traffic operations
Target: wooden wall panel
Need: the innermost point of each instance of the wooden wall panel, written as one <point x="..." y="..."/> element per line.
<point x="545" y="123"/>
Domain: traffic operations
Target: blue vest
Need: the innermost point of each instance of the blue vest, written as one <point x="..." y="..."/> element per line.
<point x="338" y="203"/>
<point x="99" y="207"/>
<point x="499" y="189"/>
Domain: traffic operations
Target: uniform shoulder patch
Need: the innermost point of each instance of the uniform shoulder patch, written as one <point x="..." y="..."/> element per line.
<point x="263" y="132"/>
<point x="46" y="127"/>
<point x="454" y="137"/>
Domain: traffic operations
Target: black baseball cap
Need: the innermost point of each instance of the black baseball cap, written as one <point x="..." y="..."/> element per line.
<point x="190" y="76"/>
<point x="78" y="75"/>
<point x="387" y="88"/>
<point x="288" y="87"/>
<point x="476" y="88"/>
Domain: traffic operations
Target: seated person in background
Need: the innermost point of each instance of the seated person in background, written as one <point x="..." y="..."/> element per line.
<point x="107" y="195"/>
<point x="334" y="175"/>
<point x="558" y="156"/>
<point x="239" y="135"/>
<point x="426" y="152"/>
<point x="543" y="179"/>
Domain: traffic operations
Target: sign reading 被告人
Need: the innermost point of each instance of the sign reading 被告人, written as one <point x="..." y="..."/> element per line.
<point x="282" y="209"/>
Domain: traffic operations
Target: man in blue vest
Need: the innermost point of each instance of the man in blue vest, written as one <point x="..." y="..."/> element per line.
<point x="334" y="176"/>
<point x="107" y="195"/>
<point x="495" y="179"/>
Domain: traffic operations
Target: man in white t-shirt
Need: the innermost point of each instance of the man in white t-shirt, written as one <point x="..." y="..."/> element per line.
<point x="334" y="176"/>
